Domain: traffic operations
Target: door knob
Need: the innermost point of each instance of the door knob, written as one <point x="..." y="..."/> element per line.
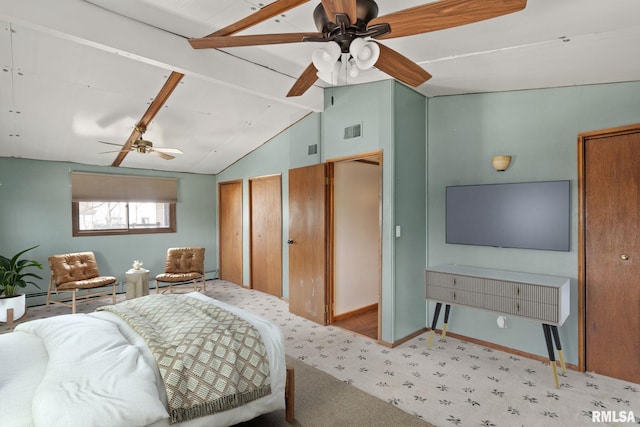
<point x="624" y="257"/>
<point x="290" y="242"/>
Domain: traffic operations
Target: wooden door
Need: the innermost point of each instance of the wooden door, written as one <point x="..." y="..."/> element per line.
<point x="230" y="230"/>
<point x="612" y="254"/>
<point x="265" y="207"/>
<point x="307" y="243"/>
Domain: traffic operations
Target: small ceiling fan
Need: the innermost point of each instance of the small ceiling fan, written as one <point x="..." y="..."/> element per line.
<point x="348" y="27"/>
<point x="144" y="146"/>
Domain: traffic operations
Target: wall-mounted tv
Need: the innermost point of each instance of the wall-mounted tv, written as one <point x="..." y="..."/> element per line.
<point x="527" y="215"/>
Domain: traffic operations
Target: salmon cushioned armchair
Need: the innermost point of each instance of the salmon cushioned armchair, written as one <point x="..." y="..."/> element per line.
<point x="78" y="272"/>
<point x="183" y="265"/>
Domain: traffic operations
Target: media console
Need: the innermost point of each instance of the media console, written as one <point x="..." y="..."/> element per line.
<point x="541" y="298"/>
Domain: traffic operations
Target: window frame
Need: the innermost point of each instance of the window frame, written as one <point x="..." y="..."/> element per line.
<point x="76" y="232"/>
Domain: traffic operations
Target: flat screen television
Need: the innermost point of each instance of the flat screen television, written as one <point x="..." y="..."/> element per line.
<point x="526" y="215"/>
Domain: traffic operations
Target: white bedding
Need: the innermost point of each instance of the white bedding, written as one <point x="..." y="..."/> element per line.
<point x="92" y="370"/>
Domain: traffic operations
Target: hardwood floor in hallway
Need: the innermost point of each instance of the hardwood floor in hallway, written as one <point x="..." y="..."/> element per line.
<point x="363" y="323"/>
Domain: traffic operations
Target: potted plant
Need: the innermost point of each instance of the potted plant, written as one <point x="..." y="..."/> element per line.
<point x="15" y="274"/>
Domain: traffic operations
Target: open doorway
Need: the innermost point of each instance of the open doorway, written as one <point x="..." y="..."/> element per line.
<point x="355" y="249"/>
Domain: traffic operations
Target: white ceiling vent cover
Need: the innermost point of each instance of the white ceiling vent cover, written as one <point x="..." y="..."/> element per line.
<point x="354" y="131"/>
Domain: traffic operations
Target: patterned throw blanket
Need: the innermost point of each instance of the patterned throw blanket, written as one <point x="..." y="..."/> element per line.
<point x="210" y="359"/>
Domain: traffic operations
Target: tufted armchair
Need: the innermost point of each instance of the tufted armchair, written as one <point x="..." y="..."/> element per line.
<point x="183" y="265"/>
<point x="78" y="272"/>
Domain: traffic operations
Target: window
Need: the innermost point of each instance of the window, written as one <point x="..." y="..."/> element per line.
<point x="105" y="204"/>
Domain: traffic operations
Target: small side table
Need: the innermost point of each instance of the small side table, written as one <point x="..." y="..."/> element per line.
<point x="137" y="283"/>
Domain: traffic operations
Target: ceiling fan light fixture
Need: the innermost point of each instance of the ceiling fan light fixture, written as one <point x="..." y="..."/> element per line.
<point x="332" y="75"/>
<point x="365" y="52"/>
<point x="344" y="22"/>
<point x="325" y="58"/>
<point x="354" y="71"/>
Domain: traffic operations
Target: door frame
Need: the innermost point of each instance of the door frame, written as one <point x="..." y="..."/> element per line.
<point x="582" y="315"/>
<point x="331" y="228"/>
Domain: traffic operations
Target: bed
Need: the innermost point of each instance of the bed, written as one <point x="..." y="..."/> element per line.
<point x="97" y="370"/>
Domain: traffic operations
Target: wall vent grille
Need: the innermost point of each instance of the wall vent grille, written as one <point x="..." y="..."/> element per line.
<point x="312" y="149"/>
<point x="354" y="131"/>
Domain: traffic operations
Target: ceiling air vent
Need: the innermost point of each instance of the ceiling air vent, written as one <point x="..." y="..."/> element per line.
<point x="354" y="131"/>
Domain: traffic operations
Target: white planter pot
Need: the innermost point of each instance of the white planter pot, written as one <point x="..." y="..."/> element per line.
<point x="17" y="303"/>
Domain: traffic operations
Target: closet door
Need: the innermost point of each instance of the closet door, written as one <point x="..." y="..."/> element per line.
<point x="265" y="207"/>
<point x="307" y="243"/>
<point x="230" y="230"/>
<point x="612" y="254"/>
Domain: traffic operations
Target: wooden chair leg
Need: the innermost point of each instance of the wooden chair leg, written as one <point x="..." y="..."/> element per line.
<point x="289" y="395"/>
<point x="9" y="316"/>
<point x="49" y="290"/>
<point x="113" y="293"/>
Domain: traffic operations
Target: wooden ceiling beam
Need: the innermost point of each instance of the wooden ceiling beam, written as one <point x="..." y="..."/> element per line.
<point x="165" y="92"/>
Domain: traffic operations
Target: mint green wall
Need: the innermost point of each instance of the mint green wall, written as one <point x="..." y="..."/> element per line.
<point x="409" y="211"/>
<point x="393" y="120"/>
<point x="539" y="129"/>
<point x="371" y="106"/>
<point x="286" y="151"/>
<point x="35" y="209"/>
<point x="403" y="308"/>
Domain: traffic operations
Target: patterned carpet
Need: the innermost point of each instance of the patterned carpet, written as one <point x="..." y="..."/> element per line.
<point x="454" y="384"/>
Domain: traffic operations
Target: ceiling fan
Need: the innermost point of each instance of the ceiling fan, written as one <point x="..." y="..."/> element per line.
<point x="144" y="146"/>
<point x="348" y="27"/>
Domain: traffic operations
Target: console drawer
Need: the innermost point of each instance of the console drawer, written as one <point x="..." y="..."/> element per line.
<point x="532" y="296"/>
<point x="522" y="291"/>
<point x="546" y="313"/>
<point x="456" y="281"/>
<point x="455" y="296"/>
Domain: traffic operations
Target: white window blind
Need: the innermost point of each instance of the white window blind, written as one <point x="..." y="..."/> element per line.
<point x="88" y="186"/>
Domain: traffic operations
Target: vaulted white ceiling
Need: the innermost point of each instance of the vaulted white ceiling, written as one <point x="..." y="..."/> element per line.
<point x="76" y="72"/>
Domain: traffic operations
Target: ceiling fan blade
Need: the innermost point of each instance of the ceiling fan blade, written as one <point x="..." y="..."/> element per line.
<point x="252" y="40"/>
<point x="334" y="7"/>
<point x="269" y="11"/>
<point x="169" y="150"/>
<point x="107" y="152"/>
<point x="304" y="82"/>
<point x="157" y="103"/>
<point x="160" y="154"/>
<point x="444" y="14"/>
<point x="110" y="143"/>
<point x="400" y="67"/>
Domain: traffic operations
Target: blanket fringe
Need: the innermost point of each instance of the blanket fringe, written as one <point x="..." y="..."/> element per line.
<point x="179" y="415"/>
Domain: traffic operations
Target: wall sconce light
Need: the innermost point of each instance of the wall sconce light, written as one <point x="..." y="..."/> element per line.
<point x="501" y="163"/>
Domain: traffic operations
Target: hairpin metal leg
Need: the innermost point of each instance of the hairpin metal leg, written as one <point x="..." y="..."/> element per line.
<point x="436" y="314"/>
<point x="552" y="358"/>
<point x="556" y="339"/>
<point x="447" y="310"/>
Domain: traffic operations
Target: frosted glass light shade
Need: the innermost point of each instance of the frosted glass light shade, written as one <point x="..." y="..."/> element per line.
<point x="366" y="53"/>
<point x="324" y="59"/>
